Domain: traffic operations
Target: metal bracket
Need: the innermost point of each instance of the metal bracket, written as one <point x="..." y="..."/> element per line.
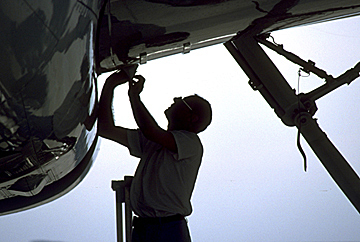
<point x="186" y="48"/>
<point x="143" y="58"/>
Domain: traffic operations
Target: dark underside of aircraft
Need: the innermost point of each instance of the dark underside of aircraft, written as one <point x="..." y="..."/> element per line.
<point x="53" y="51"/>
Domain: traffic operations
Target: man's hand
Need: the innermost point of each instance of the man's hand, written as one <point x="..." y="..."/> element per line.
<point x="117" y="78"/>
<point x="136" y="87"/>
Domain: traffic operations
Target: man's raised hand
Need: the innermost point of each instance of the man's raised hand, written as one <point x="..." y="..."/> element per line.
<point x="136" y="87"/>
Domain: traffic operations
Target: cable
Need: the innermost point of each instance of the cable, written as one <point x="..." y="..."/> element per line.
<point x="299" y="128"/>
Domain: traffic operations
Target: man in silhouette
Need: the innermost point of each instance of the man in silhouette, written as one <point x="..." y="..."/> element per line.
<point x="169" y="159"/>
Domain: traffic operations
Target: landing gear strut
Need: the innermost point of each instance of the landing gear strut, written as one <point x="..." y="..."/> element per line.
<point x="297" y="110"/>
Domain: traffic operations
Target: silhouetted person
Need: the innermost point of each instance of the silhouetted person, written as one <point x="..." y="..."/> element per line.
<point x="165" y="177"/>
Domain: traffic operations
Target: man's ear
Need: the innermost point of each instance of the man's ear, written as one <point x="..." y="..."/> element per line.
<point x="194" y="118"/>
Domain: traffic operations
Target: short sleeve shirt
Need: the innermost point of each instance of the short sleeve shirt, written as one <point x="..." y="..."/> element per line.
<point x="164" y="180"/>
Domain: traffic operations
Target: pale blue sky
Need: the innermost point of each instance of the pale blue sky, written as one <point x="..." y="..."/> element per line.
<point x="251" y="185"/>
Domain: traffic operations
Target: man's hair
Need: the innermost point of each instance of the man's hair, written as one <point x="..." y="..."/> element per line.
<point x="202" y="108"/>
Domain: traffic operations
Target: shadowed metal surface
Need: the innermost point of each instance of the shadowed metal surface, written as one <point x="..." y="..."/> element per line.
<point x="48" y="95"/>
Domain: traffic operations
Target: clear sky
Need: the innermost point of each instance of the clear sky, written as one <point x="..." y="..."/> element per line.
<point x="251" y="185"/>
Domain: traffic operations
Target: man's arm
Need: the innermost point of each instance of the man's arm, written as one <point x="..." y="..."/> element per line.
<point x="106" y="124"/>
<point x="145" y="121"/>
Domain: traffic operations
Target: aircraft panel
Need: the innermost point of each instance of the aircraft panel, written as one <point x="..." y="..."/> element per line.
<point x="146" y="30"/>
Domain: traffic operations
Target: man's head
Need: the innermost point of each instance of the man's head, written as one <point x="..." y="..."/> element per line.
<point x="192" y="113"/>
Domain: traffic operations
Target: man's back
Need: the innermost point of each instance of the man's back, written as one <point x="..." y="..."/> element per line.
<point x="164" y="180"/>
